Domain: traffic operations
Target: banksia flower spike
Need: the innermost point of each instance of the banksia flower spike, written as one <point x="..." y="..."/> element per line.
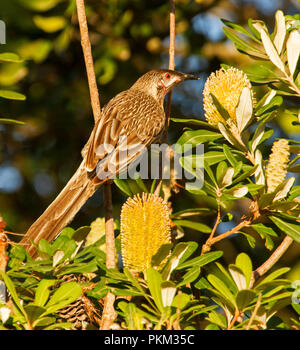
<point x="145" y="227"/>
<point x="276" y="169"/>
<point x="226" y="85"/>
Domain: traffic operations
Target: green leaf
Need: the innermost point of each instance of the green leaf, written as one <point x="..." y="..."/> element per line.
<point x="123" y="186"/>
<point x="81" y="233"/>
<point x="270" y="107"/>
<point x="12" y="95"/>
<point x="154" y="280"/>
<point x="42" y="292"/>
<point x="99" y="291"/>
<point x="180" y="251"/>
<point x="10" y="121"/>
<point x="230" y="157"/>
<point x="245" y="264"/>
<point x="201" y="260"/>
<point x="181" y="301"/>
<point x="244" y="298"/>
<point x="39" y="5"/>
<point x="66" y="294"/>
<point x="213" y="157"/>
<point x="86" y="267"/>
<point x="68" y="232"/>
<point x="242" y="45"/>
<point x="196" y="137"/>
<point x="45" y="247"/>
<point x="272" y="276"/>
<point x="161" y="254"/>
<point x="218" y="319"/>
<point x="222" y="289"/>
<point x="198" y="226"/>
<point x="50" y="24"/>
<point x="10" y="57"/>
<point x="239" y="29"/>
<point x="34" y="312"/>
<point x="190" y="276"/>
<point x="196" y="122"/>
<point x="59" y="325"/>
<point x="292" y="230"/>
<point x="12" y="290"/>
<point x="141" y="184"/>
<point x="245" y="175"/>
<point x="265" y="231"/>
<point x="221" y="171"/>
<point x="193" y="211"/>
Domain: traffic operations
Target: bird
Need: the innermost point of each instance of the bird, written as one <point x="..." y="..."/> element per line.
<point x="133" y="119"/>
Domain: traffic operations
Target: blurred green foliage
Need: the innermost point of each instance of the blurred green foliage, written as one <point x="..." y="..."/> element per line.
<point x="128" y="39"/>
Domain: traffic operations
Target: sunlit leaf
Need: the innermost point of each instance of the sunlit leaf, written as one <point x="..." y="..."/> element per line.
<point x="50" y="24"/>
<point x="279" y="31"/>
<point x="293" y="50"/>
<point x="271" y="50"/>
<point x="292" y="230"/>
<point x="12" y="95"/>
<point x="244" y="109"/>
<point x="10" y="57"/>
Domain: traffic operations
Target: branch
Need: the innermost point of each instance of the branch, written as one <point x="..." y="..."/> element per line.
<point x="109" y="227"/>
<point x="171" y="63"/>
<point x="88" y="58"/>
<point x="207" y="246"/>
<point x="218" y="220"/>
<point x="277" y="254"/>
<point x="172" y="67"/>
<point x="108" y="312"/>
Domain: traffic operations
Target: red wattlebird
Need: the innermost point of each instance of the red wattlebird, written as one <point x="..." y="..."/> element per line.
<point x="134" y="117"/>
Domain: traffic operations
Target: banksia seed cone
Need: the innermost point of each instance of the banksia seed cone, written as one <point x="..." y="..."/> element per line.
<point x="226" y="86"/>
<point x="145" y="227"/>
<point x="278" y="163"/>
<point x="82" y="313"/>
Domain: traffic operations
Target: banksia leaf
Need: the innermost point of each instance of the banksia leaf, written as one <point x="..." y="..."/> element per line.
<point x="278" y="163"/>
<point x="145" y="227"/>
<point x="293" y="50"/>
<point x="226" y="86"/>
<point x="280" y="31"/>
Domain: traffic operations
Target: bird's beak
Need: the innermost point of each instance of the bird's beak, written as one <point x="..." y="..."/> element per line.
<point x="190" y="77"/>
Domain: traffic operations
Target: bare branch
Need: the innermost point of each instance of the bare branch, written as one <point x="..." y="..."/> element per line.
<point x="88" y="58"/>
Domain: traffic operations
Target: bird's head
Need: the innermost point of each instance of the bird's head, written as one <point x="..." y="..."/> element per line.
<point x="159" y="82"/>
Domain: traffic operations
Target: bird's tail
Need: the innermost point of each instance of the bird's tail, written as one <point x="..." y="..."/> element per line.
<point x="62" y="210"/>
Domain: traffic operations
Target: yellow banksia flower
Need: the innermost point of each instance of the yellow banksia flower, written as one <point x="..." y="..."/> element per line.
<point x="276" y="169"/>
<point x="145" y="227"/>
<point x="226" y="85"/>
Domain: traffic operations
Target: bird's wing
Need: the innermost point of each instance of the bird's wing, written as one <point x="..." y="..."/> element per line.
<point x="127" y="128"/>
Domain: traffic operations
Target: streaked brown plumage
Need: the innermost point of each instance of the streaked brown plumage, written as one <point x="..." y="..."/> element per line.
<point x="136" y="114"/>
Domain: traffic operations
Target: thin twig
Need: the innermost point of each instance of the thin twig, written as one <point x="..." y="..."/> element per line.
<point x="109" y="227"/>
<point x="172" y="67"/>
<point x="254" y="312"/>
<point x="218" y="220"/>
<point x="108" y="312"/>
<point x="272" y="260"/>
<point x="234" y="319"/>
<point x="171" y="63"/>
<point x="207" y="246"/>
<point x="88" y="58"/>
<point x="244" y="223"/>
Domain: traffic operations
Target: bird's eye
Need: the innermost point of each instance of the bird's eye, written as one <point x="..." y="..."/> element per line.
<point x="167" y="75"/>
